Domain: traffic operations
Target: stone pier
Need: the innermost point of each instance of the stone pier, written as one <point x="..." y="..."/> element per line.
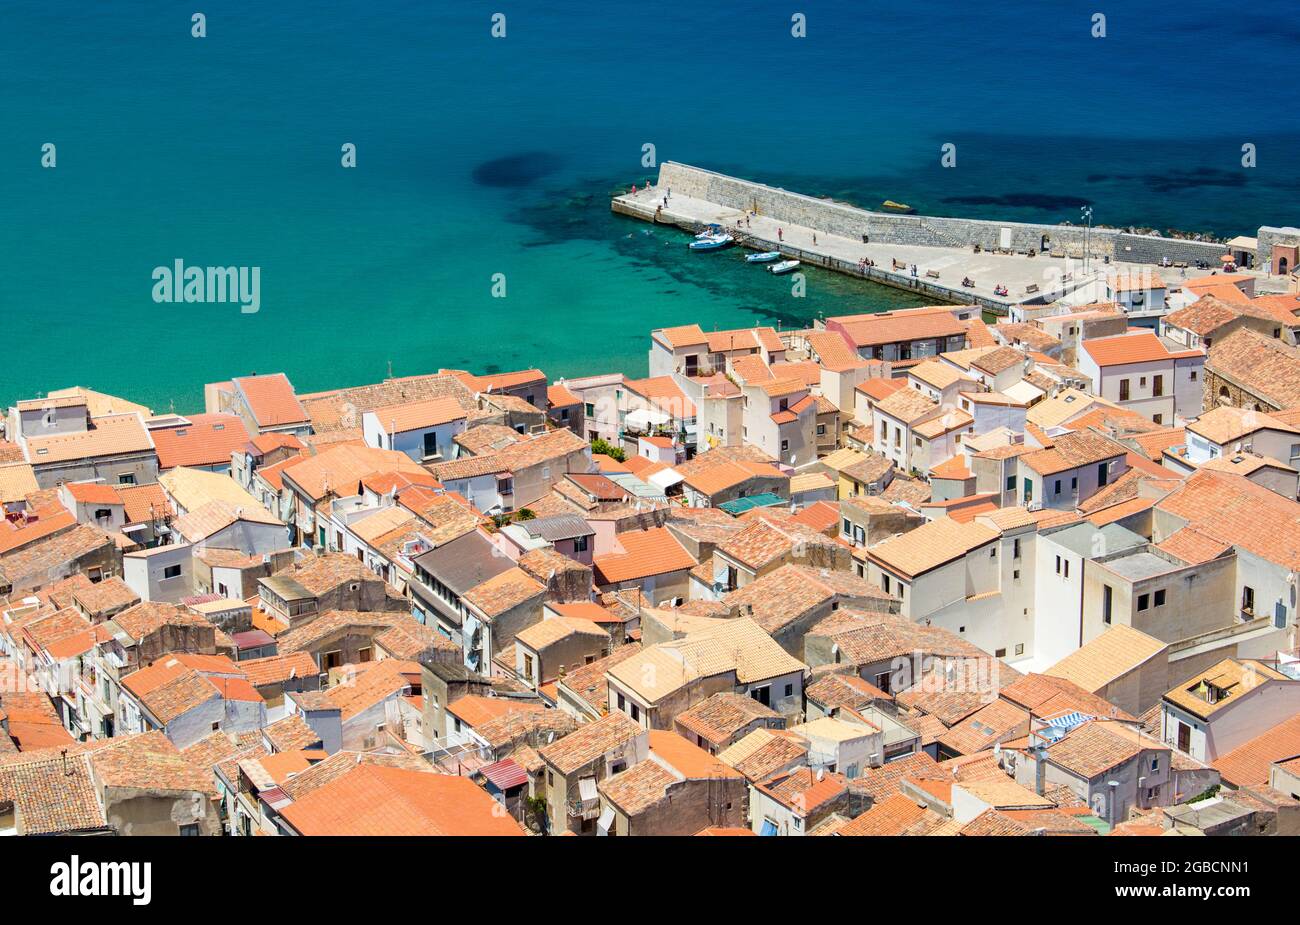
<point x="923" y="254"/>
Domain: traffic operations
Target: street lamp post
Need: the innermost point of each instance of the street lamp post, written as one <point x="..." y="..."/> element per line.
<point x="1086" y="213"/>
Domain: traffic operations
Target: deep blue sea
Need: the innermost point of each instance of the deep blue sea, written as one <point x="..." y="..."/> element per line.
<point x="479" y="156"/>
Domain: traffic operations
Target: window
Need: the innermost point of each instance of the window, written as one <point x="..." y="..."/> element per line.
<point x="1016" y="575"/>
<point x="1000" y="653"/>
<point x="1066" y="573"/>
<point x="785" y="445"/>
<point x="884" y="579"/>
<point x="1011" y="479"/>
<point x="1248" y="600"/>
<point x="622" y="704"/>
<point x="1193" y="375"/>
<point x="1107" y="599"/>
<point x="848" y="527"/>
<point x="1155" y="764"/>
<point x="1157" y="386"/>
<point x="580" y="544"/>
<point x="789" y="690"/>
<point x="821" y="430"/>
<point x="993" y="553"/>
<point x="1123" y="390"/>
<point x="762" y="694"/>
<point x="1058" y="565"/>
<point x="636" y="713"/>
<point x="1160" y="598"/>
<point x="1103" y="472"/>
<point x="882" y="681"/>
<point x="126" y="479"/>
<point x="1157" y="418"/>
<point x="1144" y="601"/>
<point x="1015" y="548"/>
<point x="589" y="410"/>
<point x="1020" y="648"/>
<point x="366" y="655"/>
<point x="1058" y="486"/>
<point x="1074" y="483"/>
<point x="902" y="589"/>
<point x="172" y="571"/>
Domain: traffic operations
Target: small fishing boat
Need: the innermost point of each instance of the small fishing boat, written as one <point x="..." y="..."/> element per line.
<point x="765" y="257"/>
<point x="713" y="243"/>
<point x="890" y="206"/>
<point x="785" y="266"/>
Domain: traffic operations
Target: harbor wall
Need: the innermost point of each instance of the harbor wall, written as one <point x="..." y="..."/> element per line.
<point x="925" y="287"/>
<point x="887" y="228"/>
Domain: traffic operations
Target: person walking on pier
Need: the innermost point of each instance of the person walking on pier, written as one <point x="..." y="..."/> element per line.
<point x="814" y="239"/>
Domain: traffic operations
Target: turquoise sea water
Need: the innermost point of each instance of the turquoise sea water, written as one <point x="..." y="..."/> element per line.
<point x="478" y="156"/>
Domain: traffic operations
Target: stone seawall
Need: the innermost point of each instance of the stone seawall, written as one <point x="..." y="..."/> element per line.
<point x="1141" y="248"/>
<point x="886" y="228"/>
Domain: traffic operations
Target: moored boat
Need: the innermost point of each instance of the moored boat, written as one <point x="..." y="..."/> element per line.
<point x="890" y="206"/>
<point x="785" y="266"/>
<point x="764" y="257"/>
<point x="713" y="243"/>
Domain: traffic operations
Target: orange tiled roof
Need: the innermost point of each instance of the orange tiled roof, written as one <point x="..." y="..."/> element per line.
<point x="1142" y="347"/>
<point x="370" y="799"/>
<point x="271" y="400"/>
<point x="208" y="440"/>
<point x="645" y="553"/>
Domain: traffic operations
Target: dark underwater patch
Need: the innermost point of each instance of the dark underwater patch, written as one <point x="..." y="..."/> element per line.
<point x="516" y="170"/>
<point x="1177" y="180"/>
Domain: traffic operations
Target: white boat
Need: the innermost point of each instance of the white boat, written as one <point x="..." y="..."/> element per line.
<point x="713" y="243"/>
<point x="709" y="232"/>
<point x="785" y="266"/>
<point x="765" y="257"/>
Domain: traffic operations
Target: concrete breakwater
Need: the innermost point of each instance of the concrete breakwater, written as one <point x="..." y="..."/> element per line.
<point x="962" y="261"/>
<point x="923" y="286"/>
<point x="887" y="228"/>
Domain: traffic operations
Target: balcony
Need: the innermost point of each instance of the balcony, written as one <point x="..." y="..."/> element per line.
<point x="584" y="809"/>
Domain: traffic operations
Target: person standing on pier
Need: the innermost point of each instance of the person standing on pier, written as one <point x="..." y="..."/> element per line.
<point x="814" y="239"/>
<point x="779" y="236"/>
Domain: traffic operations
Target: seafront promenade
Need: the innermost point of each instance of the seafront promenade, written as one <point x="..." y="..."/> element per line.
<point x="932" y="269"/>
